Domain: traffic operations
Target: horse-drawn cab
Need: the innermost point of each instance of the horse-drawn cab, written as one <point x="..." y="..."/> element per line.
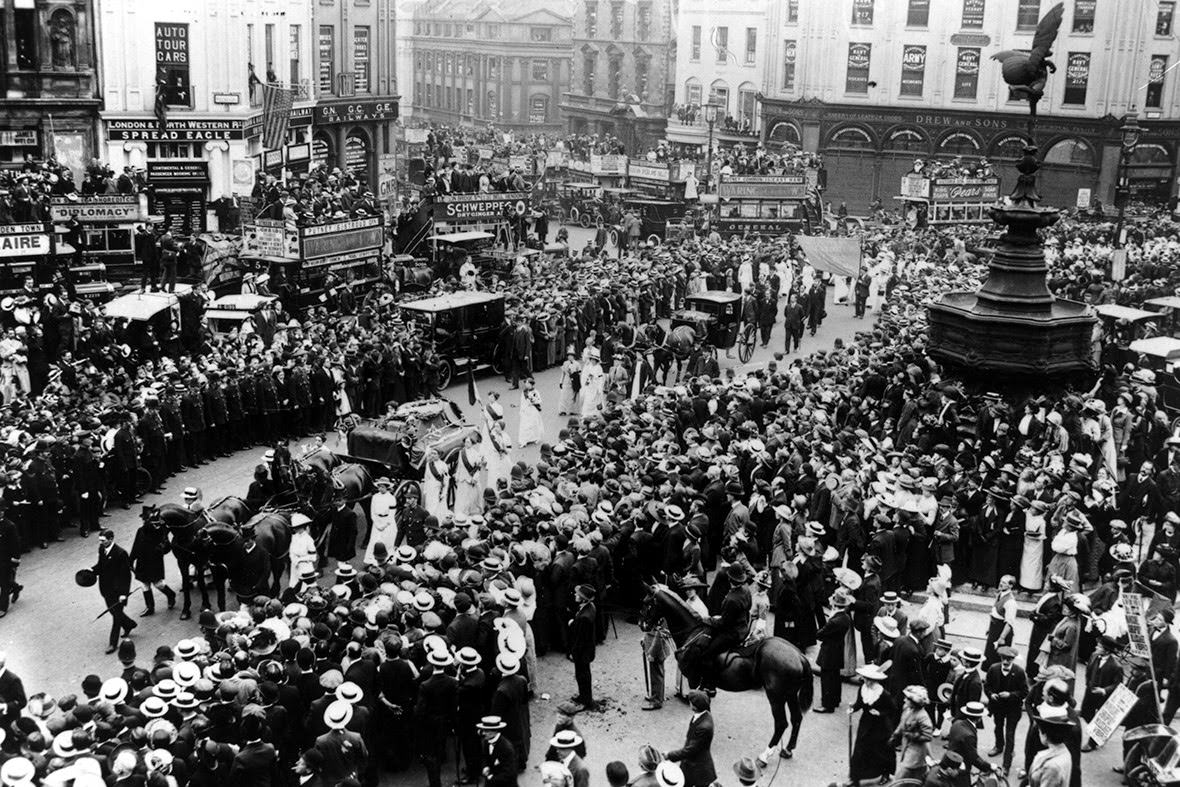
<point x="1122" y="325"/>
<point x="715" y="316"/>
<point x="398" y="444"/>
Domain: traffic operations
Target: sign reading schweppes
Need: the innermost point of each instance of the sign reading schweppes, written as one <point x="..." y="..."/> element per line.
<point x="479" y="207"/>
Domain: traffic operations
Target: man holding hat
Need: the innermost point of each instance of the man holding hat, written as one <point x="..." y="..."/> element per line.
<point x="434" y="715"/>
<point x="582" y="642"/>
<point x="696" y="756"/>
<point x="1104" y="674"/>
<point x="1005" y="687"/>
<point x="114" y="583"/>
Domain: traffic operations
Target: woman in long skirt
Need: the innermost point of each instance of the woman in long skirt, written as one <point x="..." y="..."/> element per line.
<point x="436" y="486"/>
<point x="1032" y="561"/>
<point x="497" y="454"/>
<point x="383" y="528"/>
<point x="531" y="427"/>
<point x="470" y="469"/>
<point x="593" y="380"/>
<point x="872" y="756"/>
<point x="570" y="385"/>
<point x="1010" y="551"/>
<point x="1065" y="551"/>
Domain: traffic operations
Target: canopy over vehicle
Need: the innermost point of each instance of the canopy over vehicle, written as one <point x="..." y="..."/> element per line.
<point x="459" y="238"/>
<point x="1113" y="311"/>
<point x="143" y="306"/>
<point x="1165" y="348"/>
<point x="401" y="441"/>
<point x="462" y="328"/>
<point x="719" y="314"/>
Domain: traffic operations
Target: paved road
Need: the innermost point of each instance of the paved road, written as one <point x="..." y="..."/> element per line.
<point x="53" y="640"/>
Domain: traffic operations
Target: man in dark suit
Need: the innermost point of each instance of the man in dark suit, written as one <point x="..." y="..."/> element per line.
<point x="434" y="715"/>
<point x="1006" y="687"/>
<point x="963" y="739"/>
<point x="1103" y="675"/>
<point x="566" y="743"/>
<point x="114" y="583"/>
<point x="831" y="651"/>
<point x="254" y="764"/>
<point x="1164" y="647"/>
<point x="10" y="554"/>
<point x="582" y="642"/>
<point x="12" y="693"/>
<point x="905" y="668"/>
<point x="730" y="625"/>
<point x="696" y="757"/>
<point x="343" y="750"/>
<point x="522" y="352"/>
<point x="968" y="686"/>
<point x="499" y="768"/>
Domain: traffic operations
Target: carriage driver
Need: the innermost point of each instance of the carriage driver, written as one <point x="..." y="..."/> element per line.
<point x="193" y="500"/>
<point x="730" y="627"/>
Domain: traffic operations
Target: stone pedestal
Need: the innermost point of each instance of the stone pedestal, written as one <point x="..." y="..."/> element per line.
<point x="1013" y="325"/>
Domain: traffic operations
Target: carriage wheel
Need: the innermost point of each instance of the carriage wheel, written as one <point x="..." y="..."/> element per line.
<point x="498" y="365"/>
<point x="614" y="237"/>
<point x="446" y="371"/>
<point x="1141" y="776"/>
<point x="746" y="344"/>
<point x="144" y="482"/>
<point x="654" y="240"/>
<point x="583" y="219"/>
<point x="346" y="423"/>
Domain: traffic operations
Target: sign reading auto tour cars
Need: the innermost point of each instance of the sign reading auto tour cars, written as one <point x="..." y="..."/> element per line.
<point x="479" y="207"/>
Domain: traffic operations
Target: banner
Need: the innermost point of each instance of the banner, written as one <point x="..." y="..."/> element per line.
<point x="475" y="208"/>
<point x="1111" y="714"/>
<point x="838" y="256"/>
<point x="965" y="190"/>
<point x="763" y="187"/>
<point x="859" y="57"/>
<point x="653" y="171"/>
<point x="1139" y="639"/>
<point x="344" y="237"/>
<point x="973" y="13"/>
<point x="276" y="113"/>
<point x="967" y="72"/>
<point x="23" y="240"/>
<point x="1077" y="75"/>
<point x="913" y="69"/>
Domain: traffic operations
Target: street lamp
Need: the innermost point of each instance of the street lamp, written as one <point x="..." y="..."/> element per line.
<point x="1129" y="133"/>
<point x="710" y="119"/>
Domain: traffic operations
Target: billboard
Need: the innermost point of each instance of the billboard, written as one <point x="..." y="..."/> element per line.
<point x="342" y="238"/>
<point x="479" y="207"/>
<point x="269" y="238"/>
<point x="23" y="240"/>
<point x="965" y="190"/>
<point x="119" y="209"/>
<point x="763" y="187"/>
<point x="608" y="164"/>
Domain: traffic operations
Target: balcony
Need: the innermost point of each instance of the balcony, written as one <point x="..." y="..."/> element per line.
<point x="696" y="132"/>
<point x="302" y="91"/>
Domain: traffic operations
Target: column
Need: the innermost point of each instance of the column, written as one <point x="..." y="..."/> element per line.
<point x="217" y="153"/>
<point x="136" y="154"/>
<point x="340" y="137"/>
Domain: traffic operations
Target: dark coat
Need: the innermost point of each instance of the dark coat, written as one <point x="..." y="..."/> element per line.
<point x="147" y="553"/>
<point x="500" y="764"/>
<point x="254" y="765"/>
<point x="696" y="757"/>
<point x="906" y="669"/>
<point x="831" y="641"/>
<point x="342" y="540"/>
<point x="963" y="738"/>
<point x="1014" y="684"/>
<point x="114" y="573"/>
<point x="582" y="637"/>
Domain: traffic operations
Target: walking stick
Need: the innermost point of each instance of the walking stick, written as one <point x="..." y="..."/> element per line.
<point x="646" y="676"/>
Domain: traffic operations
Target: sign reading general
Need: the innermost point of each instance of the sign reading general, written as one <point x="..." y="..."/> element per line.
<point x="187" y="130"/>
<point x="355" y="111"/>
<point x="763" y="187"/>
<point x="479" y="207"/>
<point x="23" y="245"/>
<point x="109" y="210"/>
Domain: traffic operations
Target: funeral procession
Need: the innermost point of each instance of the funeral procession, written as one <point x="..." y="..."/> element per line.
<point x="589" y="393"/>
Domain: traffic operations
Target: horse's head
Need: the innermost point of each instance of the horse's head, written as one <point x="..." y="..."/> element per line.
<point x="650" y="611"/>
<point x="150" y="515"/>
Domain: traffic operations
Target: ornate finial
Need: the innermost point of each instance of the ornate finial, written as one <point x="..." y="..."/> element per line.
<point x="1025" y="192"/>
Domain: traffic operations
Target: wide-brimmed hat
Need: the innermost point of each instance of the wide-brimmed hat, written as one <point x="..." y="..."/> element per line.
<point x="491" y="724"/>
<point x="350" y="692"/>
<point x="669" y="774"/>
<point x="973" y="709"/>
<point x="971" y="655"/>
<point x="566" y="739"/>
<point x="114" y="690"/>
<point x="840" y="599"/>
<point x="871" y="672"/>
<point x="888" y="627"/>
<point x="338" y="714"/>
<point x="746" y="769"/>
<point x="736" y="572"/>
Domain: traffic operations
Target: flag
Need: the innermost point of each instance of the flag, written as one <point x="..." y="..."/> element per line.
<point x="161" y="105"/>
<point x="276" y="111"/>
<point x="472" y="394"/>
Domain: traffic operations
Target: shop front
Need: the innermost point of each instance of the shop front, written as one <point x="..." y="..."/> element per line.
<point x="867" y="150"/>
<point x="177" y="190"/>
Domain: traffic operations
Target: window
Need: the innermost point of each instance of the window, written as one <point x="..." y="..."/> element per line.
<point x="614" y="76"/>
<point x="792" y="11"/>
<point x="789" y="64"/>
<point x="268" y="33"/>
<point x="692" y="93"/>
<point x="857" y="78"/>
<point x="493" y="30"/>
<point x="719" y="95"/>
<point x="540" y="70"/>
<point x="913" y="70"/>
<point x="493" y="104"/>
<point x="918" y="14"/>
<point x="862" y="12"/>
<point x="360" y="58"/>
<point x="751" y="45"/>
<point x="642" y="70"/>
<point x="967" y="73"/>
<point x="1164" y="17"/>
<point x="294" y="50"/>
<point x="249" y="46"/>
<point x="592" y="19"/>
<point x="1155" y="81"/>
<point x="589" y="72"/>
<point x="1083" y="16"/>
<point x="973" y="14"/>
<point x="959" y="143"/>
<point x="616" y="19"/>
<point x="1028" y="13"/>
<point x="643" y="21"/>
<point x="746" y="106"/>
<point x="173" y="150"/>
<point x="326" y="47"/>
<point x="539" y="109"/>
<point x="541" y="33"/>
<point x="448" y="30"/>
<point x="493" y="68"/>
<point x="448" y="64"/>
<point x="1077" y="74"/>
<point x="721" y="43"/>
<point x="905" y="139"/>
<point x="695" y="52"/>
<point x="450" y="97"/>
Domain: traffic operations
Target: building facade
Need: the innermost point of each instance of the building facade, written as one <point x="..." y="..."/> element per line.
<point x="874" y="84"/>
<point x="49" y="82"/>
<point x="624" y="61"/>
<point x="477" y="62"/>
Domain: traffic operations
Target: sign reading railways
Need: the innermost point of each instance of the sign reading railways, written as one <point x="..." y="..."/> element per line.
<point x="479" y="207"/>
<point x="344" y="237"/>
<point x="765" y="186"/>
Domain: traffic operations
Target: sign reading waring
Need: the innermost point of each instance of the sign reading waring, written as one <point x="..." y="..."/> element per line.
<point x="763" y="187"/>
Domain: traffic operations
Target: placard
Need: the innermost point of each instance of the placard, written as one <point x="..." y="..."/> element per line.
<point x="973" y="13"/>
<point x="1139" y="640"/>
<point x="119" y="209"/>
<point x="356" y="154"/>
<point x="326" y="43"/>
<point x="1112" y="713"/>
<point x="416" y="136"/>
<point x="654" y="171"/>
<point x="172" y="62"/>
<point x="1077" y="75"/>
<point x="914" y="186"/>
<point x="1118" y="266"/>
<point x="967" y="72"/>
<point x="177" y="170"/>
<point x="269" y="238"/>
<point x="857" y="78"/>
<point x="18" y="139"/>
<point x="12" y="245"/>
<point x="913" y="69"/>
<point x="386" y="176"/>
<point x="183" y="211"/>
<point x="608" y="164"/>
<point x="1083" y="200"/>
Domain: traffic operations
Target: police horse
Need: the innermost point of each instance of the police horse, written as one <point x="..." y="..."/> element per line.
<point x="772" y="664"/>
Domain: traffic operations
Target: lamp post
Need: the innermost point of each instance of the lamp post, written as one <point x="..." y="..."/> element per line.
<point x="711" y="120"/>
<point x="1129" y="133"/>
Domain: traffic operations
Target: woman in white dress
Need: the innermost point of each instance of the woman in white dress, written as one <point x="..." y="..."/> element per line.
<point x="343" y="405"/>
<point x="840" y="290"/>
<point x="470" y="467"/>
<point x="497" y="451"/>
<point x="302" y="551"/>
<point x="570" y="385"/>
<point x="593" y="379"/>
<point x="1032" y="560"/>
<point x="531" y="427"/>
<point x="436" y="483"/>
<point x="384" y="525"/>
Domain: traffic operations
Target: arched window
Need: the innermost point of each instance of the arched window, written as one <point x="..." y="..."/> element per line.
<point x="719" y="95"/>
<point x="1009" y="148"/>
<point x="62" y="35"/>
<point x="959" y="143"/>
<point x="906" y="139"/>
<point x="747" y="104"/>
<point x="692" y="92"/>
<point x="784" y="134"/>
<point x="1151" y="153"/>
<point x="1073" y="152"/>
<point x="853" y="138"/>
<point x="539" y="109"/>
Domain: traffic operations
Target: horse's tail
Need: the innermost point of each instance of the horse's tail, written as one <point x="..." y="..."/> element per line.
<point x="806" y="686"/>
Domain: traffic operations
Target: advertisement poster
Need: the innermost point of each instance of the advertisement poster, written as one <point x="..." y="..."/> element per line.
<point x="973" y="13"/>
<point x="913" y="70"/>
<point x="859" y="56"/>
<point x="172" y="62"/>
<point x="1077" y="74"/>
<point x="967" y="72"/>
